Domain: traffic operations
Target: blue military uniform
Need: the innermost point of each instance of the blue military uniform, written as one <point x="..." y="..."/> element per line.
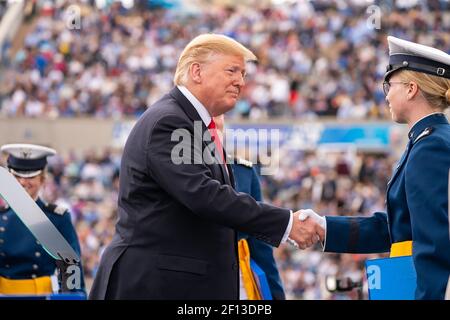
<point x="25" y="266"/>
<point x="416" y="222"/>
<point x="21" y="255"/>
<point x="247" y="181"/>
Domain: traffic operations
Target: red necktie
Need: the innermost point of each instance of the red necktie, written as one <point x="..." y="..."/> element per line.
<point x="215" y="137"/>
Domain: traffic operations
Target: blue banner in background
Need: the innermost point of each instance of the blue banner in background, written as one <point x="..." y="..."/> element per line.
<point x="311" y="135"/>
<point x="165" y="4"/>
<point x="367" y="136"/>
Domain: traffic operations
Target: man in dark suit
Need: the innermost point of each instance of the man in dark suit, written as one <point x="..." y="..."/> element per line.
<point x="178" y="211"/>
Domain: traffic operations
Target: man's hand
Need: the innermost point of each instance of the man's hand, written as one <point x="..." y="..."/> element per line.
<point x="306" y="230"/>
<point x="321" y="221"/>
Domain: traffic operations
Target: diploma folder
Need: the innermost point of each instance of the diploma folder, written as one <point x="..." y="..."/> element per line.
<point x="391" y="278"/>
<point x="261" y="281"/>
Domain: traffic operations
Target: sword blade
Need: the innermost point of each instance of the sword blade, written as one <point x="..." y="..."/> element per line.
<point x="35" y="219"/>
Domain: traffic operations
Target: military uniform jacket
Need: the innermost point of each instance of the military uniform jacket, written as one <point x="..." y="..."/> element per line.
<point x="417" y="210"/>
<point x="21" y="255"/>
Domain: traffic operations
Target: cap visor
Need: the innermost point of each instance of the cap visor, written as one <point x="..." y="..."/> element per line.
<point x="25" y="174"/>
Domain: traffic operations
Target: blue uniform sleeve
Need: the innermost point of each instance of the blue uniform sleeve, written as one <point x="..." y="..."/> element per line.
<point x="426" y="183"/>
<point x="262" y="253"/>
<point x="358" y="234"/>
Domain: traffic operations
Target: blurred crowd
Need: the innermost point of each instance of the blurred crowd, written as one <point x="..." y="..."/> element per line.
<point x="331" y="184"/>
<point x="316" y="58"/>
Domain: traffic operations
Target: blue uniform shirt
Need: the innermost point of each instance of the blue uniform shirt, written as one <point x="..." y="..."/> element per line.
<point x="246" y="180"/>
<point x="21" y="255"/>
<point x="417" y="210"/>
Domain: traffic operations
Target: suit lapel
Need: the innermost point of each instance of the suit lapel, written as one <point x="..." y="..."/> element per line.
<point x="189" y="109"/>
<point x="212" y="148"/>
<point x="231" y="175"/>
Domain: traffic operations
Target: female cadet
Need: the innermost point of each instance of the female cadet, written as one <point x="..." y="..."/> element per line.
<point x="417" y="88"/>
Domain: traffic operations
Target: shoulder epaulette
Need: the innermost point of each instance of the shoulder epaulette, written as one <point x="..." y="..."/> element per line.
<point x="426" y="132"/>
<point x="244" y="162"/>
<point x="56" y="209"/>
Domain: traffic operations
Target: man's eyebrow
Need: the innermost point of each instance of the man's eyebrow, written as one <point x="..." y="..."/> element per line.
<point x="236" y="68"/>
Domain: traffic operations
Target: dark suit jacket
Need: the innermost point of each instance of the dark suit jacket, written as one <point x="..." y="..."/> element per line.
<point x="175" y="235"/>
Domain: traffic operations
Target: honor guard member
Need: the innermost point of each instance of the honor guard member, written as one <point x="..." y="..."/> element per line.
<point x="25" y="266"/>
<point x="247" y="181"/>
<point x="417" y="88"/>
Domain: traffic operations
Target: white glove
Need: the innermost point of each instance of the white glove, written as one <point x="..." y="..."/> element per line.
<point x="321" y="221"/>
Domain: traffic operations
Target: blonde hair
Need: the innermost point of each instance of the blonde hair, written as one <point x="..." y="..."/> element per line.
<point x="436" y="90"/>
<point x="202" y="47"/>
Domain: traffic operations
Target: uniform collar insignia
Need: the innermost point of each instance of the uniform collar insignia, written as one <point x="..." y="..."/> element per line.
<point x="424" y="133"/>
<point x="427" y="122"/>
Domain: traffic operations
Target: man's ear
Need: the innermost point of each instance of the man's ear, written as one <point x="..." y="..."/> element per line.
<point x="195" y="72"/>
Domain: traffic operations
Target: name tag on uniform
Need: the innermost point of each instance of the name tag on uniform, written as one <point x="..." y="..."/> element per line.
<point x="391" y="278"/>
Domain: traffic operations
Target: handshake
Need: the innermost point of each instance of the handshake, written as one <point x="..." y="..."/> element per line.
<point x="307" y="229"/>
